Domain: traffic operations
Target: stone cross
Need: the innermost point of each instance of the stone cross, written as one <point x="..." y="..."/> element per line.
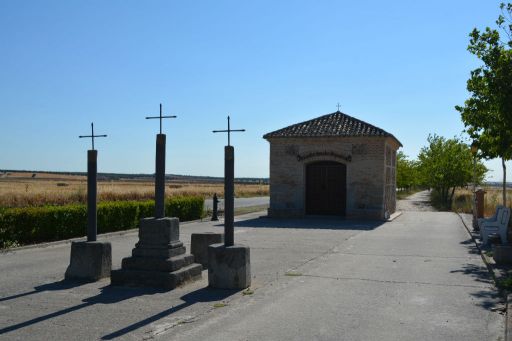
<point x="92" y="136"/>
<point x="229" y="130"/>
<point x="160" y="168"/>
<point x="92" y="189"/>
<point x="338" y="106"/>
<point x="229" y="185"/>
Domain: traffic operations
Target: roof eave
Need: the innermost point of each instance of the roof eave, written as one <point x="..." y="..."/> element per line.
<point x="267" y="137"/>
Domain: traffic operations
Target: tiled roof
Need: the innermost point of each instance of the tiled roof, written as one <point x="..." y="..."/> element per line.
<point x="335" y="124"/>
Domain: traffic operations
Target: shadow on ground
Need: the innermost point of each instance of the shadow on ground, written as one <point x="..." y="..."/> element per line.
<point x="470" y="246"/>
<point x="111" y="295"/>
<point x="323" y="223"/>
<point x="55" y="286"/>
<point x="201" y="295"/>
<point x="487" y="299"/>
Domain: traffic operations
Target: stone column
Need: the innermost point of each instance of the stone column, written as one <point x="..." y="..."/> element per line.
<point x="160" y="176"/>
<point x="229" y="201"/>
<point x="90" y="260"/>
<point x="92" y="171"/>
<point x="229" y="265"/>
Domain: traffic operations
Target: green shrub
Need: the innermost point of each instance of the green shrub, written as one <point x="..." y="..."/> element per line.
<point x="186" y="208"/>
<point x="41" y="224"/>
<point x="117" y="216"/>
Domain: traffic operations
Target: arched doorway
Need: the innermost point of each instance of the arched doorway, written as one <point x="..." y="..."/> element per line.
<point x="326" y="188"/>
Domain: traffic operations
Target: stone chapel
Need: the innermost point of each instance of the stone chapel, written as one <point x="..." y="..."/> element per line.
<point x="332" y="165"/>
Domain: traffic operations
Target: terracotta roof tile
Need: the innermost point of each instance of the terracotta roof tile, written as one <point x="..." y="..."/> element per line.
<point x="335" y="124"/>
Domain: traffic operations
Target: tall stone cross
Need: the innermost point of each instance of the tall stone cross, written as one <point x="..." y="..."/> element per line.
<point x="338" y="106"/>
<point x="229" y="186"/>
<point x="92" y="188"/>
<point x="160" y="168"/>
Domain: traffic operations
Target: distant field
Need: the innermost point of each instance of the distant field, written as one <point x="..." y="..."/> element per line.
<point x="462" y="201"/>
<point x="21" y="189"/>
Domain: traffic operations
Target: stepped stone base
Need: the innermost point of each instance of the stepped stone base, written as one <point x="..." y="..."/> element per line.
<point x="156" y="279"/>
<point x="158" y="259"/>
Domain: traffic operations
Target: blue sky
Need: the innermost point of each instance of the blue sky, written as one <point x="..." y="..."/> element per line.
<point x="400" y="65"/>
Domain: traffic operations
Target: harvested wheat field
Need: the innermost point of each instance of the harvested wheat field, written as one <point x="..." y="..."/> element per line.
<point x="462" y="201"/>
<point x="19" y="189"/>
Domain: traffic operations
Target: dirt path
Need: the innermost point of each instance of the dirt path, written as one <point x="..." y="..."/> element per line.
<point x="417" y="202"/>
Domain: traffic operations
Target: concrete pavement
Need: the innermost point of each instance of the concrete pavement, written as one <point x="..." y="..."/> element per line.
<point x="416" y="278"/>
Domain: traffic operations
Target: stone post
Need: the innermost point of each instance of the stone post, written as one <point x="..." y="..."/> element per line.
<point x="229" y="201"/>
<point x="92" y="190"/>
<point x="160" y="176"/>
<point x="215" y="207"/>
<point x="90" y="260"/>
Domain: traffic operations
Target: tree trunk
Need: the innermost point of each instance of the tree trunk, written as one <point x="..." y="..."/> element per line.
<point x="504" y="182"/>
<point x="451" y="197"/>
<point x="445" y="197"/>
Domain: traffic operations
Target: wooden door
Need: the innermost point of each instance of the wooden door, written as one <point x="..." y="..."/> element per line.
<point x="326" y="188"/>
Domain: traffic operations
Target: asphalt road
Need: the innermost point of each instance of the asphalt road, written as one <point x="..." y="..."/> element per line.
<point x="416" y="278"/>
<point x="240" y="202"/>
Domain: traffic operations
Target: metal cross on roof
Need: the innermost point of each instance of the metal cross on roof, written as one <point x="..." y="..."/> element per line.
<point x="229" y="130"/>
<point x="92" y="136"/>
<point x="160" y="117"/>
<point x="338" y="105"/>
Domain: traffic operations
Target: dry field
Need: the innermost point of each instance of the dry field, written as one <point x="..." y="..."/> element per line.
<point x="20" y="190"/>
<point x="493" y="196"/>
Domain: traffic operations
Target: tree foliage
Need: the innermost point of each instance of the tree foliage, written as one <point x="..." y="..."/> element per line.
<point x="446" y="164"/>
<point x="487" y="114"/>
<point x="407" y="172"/>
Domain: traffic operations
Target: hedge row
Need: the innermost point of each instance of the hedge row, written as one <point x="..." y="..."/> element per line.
<point x="28" y="225"/>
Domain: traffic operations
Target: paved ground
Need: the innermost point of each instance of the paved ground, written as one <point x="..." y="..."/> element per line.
<point x="416" y="278"/>
<point x="417" y="202"/>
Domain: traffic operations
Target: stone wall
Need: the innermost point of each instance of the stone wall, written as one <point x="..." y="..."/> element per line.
<point x="390" y="181"/>
<point x="365" y="158"/>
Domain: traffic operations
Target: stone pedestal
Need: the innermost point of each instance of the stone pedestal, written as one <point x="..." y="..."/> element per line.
<point x="502" y="254"/>
<point x="90" y="261"/>
<point x="229" y="267"/>
<point x="158" y="259"/>
<point x="199" y="246"/>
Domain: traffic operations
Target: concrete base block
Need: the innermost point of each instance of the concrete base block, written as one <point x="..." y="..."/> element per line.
<point x="199" y="245"/>
<point x="502" y="254"/>
<point x="90" y="261"/>
<point x="229" y="267"/>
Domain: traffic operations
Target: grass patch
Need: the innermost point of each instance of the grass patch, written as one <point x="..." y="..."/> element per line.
<point x="219" y="305"/>
<point x="247" y="292"/>
<point x="505" y="284"/>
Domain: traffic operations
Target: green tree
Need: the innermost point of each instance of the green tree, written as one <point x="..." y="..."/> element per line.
<point x="407" y="175"/>
<point x="487" y="114"/>
<point x="446" y="164"/>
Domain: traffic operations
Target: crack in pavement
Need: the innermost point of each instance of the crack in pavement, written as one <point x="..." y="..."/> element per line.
<point x="397" y="255"/>
<point x="398" y="282"/>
